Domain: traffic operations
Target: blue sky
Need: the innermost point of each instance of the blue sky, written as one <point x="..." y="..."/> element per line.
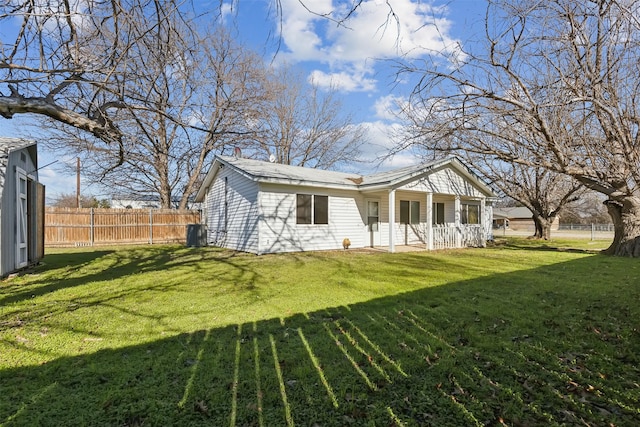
<point x="356" y="58"/>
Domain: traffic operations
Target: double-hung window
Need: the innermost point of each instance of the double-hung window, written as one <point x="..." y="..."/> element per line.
<point x="312" y="209"/>
<point x="469" y="214"/>
<point x="438" y="214"/>
<point x="409" y="212"/>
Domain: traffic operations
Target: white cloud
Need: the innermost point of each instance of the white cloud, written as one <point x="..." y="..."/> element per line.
<point x="53" y="16"/>
<point x="343" y="81"/>
<point x="374" y="33"/>
<point x="387" y="107"/>
<point x="227" y="9"/>
<point x="59" y="180"/>
<point x="383" y="153"/>
<point x="370" y="34"/>
<point x="301" y="28"/>
<point x="381" y="141"/>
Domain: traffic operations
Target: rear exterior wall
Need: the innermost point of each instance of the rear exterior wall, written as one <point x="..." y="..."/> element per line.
<point x="231" y="212"/>
<point x="279" y="231"/>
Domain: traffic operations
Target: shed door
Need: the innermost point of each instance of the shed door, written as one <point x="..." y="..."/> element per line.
<point x="21" y="218"/>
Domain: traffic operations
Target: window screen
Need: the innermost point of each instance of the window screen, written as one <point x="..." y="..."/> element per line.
<point x="470" y="214"/>
<point x="404" y="212"/>
<point x="415" y="212"/>
<point x="438" y="213"/>
<point x="321" y="209"/>
<point x="409" y="212"/>
<point x="303" y="209"/>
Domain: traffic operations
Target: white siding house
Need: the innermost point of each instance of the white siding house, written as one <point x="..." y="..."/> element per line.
<point x="262" y="207"/>
<point x="232" y="211"/>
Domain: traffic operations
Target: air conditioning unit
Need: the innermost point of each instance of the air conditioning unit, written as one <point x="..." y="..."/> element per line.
<point x="196" y="235"/>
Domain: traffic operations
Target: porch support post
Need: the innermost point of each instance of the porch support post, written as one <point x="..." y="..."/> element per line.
<point x="458" y="228"/>
<point x="483" y="223"/>
<point x="392" y="220"/>
<point x="430" y="221"/>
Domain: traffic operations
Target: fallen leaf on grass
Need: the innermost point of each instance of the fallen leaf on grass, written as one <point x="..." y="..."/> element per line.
<point x="201" y="407"/>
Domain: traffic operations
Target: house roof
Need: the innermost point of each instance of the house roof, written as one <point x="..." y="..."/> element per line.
<point x="274" y="172"/>
<point x="12" y="144"/>
<point x="8" y="145"/>
<point x="261" y="171"/>
<point x="397" y="177"/>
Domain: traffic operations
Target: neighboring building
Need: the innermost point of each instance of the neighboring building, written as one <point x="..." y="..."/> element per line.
<point x="517" y="218"/>
<point x="263" y="207"/>
<point x="21" y="206"/>
<point x="134" y="202"/>
<point x="145" y="202"/>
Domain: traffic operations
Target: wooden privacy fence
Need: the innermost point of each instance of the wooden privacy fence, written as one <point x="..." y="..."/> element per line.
<point x="92" y="226"/>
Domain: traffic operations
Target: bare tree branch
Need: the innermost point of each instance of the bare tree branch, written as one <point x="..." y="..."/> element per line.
<point x="556" y="88"/>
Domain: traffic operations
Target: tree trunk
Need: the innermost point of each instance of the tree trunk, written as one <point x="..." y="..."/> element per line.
<point x="165" y="190"/>
<point x="165" y="198"/>
<point x="625" y="214"/>
<point x="543" y="227"/>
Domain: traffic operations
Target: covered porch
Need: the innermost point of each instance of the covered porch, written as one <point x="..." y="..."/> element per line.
<point x="403" y="220"/>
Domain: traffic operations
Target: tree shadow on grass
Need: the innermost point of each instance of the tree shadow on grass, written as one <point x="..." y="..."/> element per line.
<point x="116" y="296"/>
<point x="531" y="244"/>
<point x="514" y="349"/>
<point x="112" y="264"/>
<point x="36" y="288"/>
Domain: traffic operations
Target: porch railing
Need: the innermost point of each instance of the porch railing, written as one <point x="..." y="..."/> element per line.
<point x="444" y="237"/>
<point x="449" y="237"/>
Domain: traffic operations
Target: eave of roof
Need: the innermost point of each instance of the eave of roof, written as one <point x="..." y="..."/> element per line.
<point x="265" y="172"/>
<point x="12" y="144"/>
<point x="7" y="145"/>
<point x="400" y="177"/>
<point x="291" y="175"/>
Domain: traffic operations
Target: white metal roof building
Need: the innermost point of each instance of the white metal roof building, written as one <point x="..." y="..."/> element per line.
<point x="264" y="207"/>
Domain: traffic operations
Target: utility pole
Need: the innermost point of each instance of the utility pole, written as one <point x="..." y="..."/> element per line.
<point x="78" y="182"/>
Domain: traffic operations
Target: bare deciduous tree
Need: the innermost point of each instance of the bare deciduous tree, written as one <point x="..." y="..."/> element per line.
<point x="71" y="201"/>
<point x="299" y="124"/>
<point x="590" y="209"/>
<point x="198" y="104"/>
<point x="555" y="88"/>
<point x="71" y="61"/>
<point x="546" y="194"/>
<point x="135" y="89"/>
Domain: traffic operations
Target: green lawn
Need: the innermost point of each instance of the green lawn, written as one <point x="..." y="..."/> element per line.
<point x="518" y="334"/>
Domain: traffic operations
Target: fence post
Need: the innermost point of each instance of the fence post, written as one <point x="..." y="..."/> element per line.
<point x="91" y="226"/>
<point x="151" y="226"/>
<point x="593" y="232"/>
